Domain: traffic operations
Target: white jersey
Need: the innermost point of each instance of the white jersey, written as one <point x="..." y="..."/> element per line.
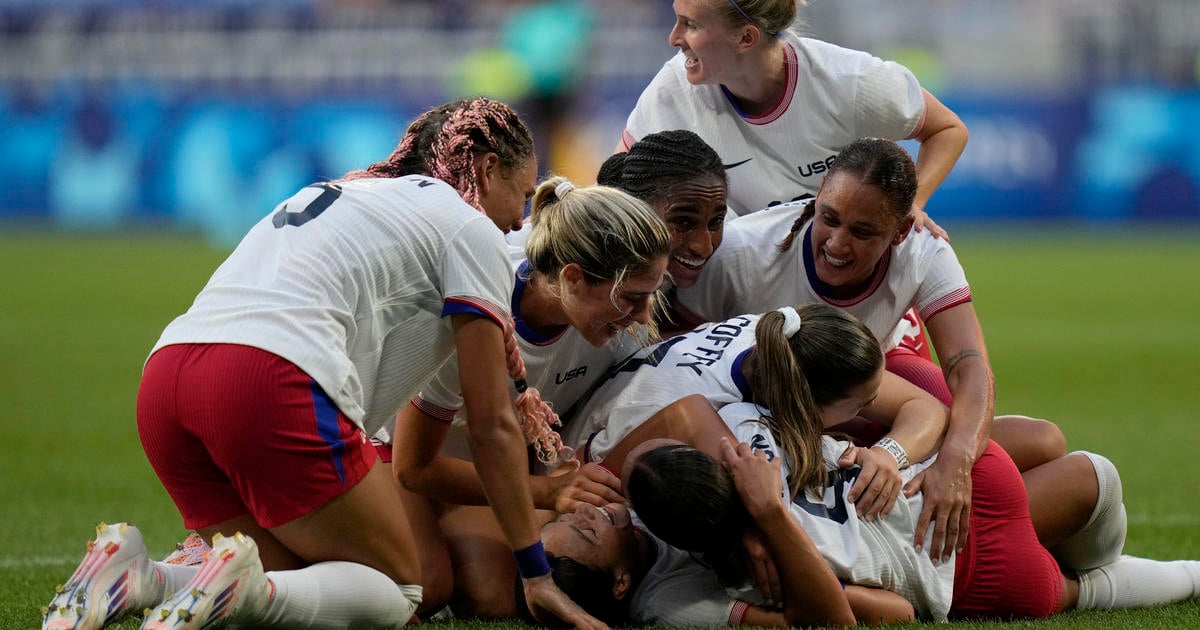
<point x="748" y="274"/>
<point x="351" y="282"/>
<point x="563" y="368"/>
<point x="834" y="96"/>
<point x="678" y="591"/>
<point x="876" y="553"/>
<point x="707" y="360"/>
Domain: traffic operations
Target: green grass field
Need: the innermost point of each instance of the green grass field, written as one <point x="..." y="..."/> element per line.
<point x="1099" y="332"/>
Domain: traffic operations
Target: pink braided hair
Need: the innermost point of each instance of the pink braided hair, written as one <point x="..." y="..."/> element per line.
<point x="470" y="126"/>
<point x="535" y="415"/>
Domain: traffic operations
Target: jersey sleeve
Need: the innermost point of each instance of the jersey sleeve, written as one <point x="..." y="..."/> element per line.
<point x="442" y="396"/>
<point x="689" y="596"/>
<point x="477" y="275"/>
<point x="943" y="282"/>
<point x="657" y="107"/>
<point x="889" y="102"/>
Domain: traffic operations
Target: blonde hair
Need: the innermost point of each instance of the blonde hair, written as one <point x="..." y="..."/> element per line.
<point x="610" y="235"/>
<point x="607" y="232"/>
<point x="770" y="16"/>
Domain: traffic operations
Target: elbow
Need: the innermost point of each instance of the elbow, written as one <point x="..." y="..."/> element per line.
<point x="408" y="477"/>
<point x="492" y="431"/>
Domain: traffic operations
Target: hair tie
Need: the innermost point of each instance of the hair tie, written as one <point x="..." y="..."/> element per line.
<point x="791" y="321"/>
<point x="563" y="188"/>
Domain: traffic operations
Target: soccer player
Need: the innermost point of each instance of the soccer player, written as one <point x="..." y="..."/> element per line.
<point x="255" y="405"/>
<point x="817" y="539"/>
<point x="682" y="178"/>
<point x="777" y="108"/>
<point x="852" y="247"/>
<point x="590" y="268"/>
<point x="745" y="358"/>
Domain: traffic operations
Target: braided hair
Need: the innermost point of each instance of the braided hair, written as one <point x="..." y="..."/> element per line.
<point x="658" y="162"/>
<point x="444" y="142"/>
<point x="877" y="162"/>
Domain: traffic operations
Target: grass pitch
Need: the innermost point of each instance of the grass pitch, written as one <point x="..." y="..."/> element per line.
<point x="1098" y="331"/>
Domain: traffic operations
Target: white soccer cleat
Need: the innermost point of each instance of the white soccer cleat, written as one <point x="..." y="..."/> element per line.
<point x="115" y="578"/>
<point x="230" y="583"/>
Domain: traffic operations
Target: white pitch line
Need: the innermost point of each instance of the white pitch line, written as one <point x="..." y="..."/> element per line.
<point x="1165" y="520"/>
<point x="34" y="562"/>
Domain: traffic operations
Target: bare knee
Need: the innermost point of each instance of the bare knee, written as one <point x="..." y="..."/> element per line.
<point x="437" y="571"/>
<point x="367" y="524"/>
<point x="486" y="597"/>
<point x="1029" y="441"/>
<point x="275" y="556"/>
<point x="484" y="571"/>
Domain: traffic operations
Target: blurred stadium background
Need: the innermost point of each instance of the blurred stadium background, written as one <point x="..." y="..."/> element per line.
<point x="141" y="138"/>
<point x="203" y="115"/>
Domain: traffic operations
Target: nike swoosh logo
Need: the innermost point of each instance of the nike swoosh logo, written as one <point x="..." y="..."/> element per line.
<point x="736" y="164"/>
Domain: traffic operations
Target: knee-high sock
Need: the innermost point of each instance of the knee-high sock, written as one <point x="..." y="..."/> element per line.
<point x="173" y="577"/>
<point x="1137" y="582"/>
<point x="339" y="595"/>
<point x="1102" y="539"/>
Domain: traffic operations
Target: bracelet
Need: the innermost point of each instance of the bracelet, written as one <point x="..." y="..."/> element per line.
<point x="531" y="561"/>
<point x="895" y="450"/>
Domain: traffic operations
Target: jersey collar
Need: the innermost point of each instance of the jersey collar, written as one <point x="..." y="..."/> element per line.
<point x="524" y="271"/>
<point x="793" y="78"/>
<point x="823" y="290"/>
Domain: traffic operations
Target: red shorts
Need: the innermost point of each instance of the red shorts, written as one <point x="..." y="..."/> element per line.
<point x="1004" y="571"/>
<point x="233" y="430"/>
<point x="910" y="366"/>
<point x="912" y="360"/>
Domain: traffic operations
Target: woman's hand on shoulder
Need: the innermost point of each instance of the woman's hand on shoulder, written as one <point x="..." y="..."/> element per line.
<point x="878" y="485"/>
<point x="757" y="478"/>
<point x="922" y="221"/>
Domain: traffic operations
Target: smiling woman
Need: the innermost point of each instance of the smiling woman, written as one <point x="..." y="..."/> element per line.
<point x="255" y="404"/>
<point x="601" y="554"/>
<point x="594" y="259"/>
<point x="682" y="178"/>
<point x="853" y="247"/>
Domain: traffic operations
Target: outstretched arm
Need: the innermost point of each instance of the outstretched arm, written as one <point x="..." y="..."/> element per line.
<point x="498" y="449"/>
<point x="419" y="468"/>
<point x="918" y="423"/>
<point x="690" y="419"/>
<point x="958" y="340"/>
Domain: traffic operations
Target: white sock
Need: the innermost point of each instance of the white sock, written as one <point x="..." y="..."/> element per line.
<point x="339" y="595"/>
<point x="1137" y="582"/>
<point x="174" y="577"/>
<point x="1102" y="539"/>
